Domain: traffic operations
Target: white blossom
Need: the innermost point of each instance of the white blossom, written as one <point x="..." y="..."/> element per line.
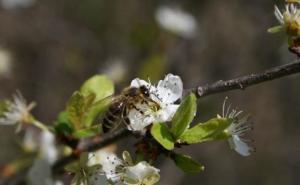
<point x="40" y="173"/>
<point x="109" y="162"/>
<point x="176" y="20"/>
<point x="42" y="142"/>
<point x="141" y="174"/>
<point x="48" y="149"/>
<point x="14" y="4"/>
<point x="290" y="15"/>
<point x="119" y="171"/>
<point x="58" y="183"/>
<point x="237" y="130"/>
<point x="165" y="94"/>
<point x="30" y="141"/>
<point x="18" y="112"/>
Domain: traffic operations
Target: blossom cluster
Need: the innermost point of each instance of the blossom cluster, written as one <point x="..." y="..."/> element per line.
<point x="123" y="171"/>
<point x="97" y="168"/>
<point x="289" y="20"/>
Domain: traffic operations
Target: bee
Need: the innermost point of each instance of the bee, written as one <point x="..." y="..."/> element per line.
<point x="117" y="112"/>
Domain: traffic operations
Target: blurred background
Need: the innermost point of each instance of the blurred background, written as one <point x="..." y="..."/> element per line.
<point x="49" y="47"/>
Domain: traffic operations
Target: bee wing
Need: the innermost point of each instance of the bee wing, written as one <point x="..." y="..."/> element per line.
<point x="109" y="100"/>
<point x="105" y="103"/>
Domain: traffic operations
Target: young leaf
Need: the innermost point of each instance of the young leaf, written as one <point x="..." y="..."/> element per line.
<point x="72" y="167"/>
<point x="96" y="109"/>
<point x="275" y="29"/>
<point x="75" y="110"/>
<point x="161" y="134"/>
<point x="100" y="85"/>
<point x="210" y="130"/>
<point x="83" y="159"/>
<point x="88" y="132"/>
<point x="187" y="164"/>
<point x="80" y="110"/>
<point x="63" y="125"/>
<point x="184" y="115"/>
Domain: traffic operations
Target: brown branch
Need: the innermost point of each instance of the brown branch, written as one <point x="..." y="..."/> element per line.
<point x="248" y="80"/>
<point x="201" y="91"/>
<point x="90" y="147"/>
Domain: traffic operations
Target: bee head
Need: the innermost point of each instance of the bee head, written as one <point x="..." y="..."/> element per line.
<point x="145" y="90"/>
<point x="134" y="91"/>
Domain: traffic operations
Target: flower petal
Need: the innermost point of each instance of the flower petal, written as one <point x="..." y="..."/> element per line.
<point x="240" y="146"/>
<point x="109" y="162"/>
<point x="143" y="173"/>
<point x="169" y="90"/>
<point x="48" y="147"/>
<point x="40" y="173"/>
<point x="166" y="113"/>
<point x="138" y="83"/>
<point x="139" y="121"/>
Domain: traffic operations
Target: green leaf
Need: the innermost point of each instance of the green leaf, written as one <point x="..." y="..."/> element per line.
<point x="81" y="110"/>
<point x="184" y="115"/>
<point x="83" y="160"/>
<point x="63" y="128"/>
<point x="63" y="125"/>
<point x="187" y="164"/>
<point x="161" y="134"/>
<point x="88" y="132"/>
<point x="75" y="110"/>
<point x="72" y="167"/>
<point x="275" y="29"/>
<point x="99" y="85"/>
<point x="210" y="130"/>
<point x="96" y="109"/>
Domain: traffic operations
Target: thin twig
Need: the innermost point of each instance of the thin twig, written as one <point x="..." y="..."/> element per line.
<point x="246" y="81"/>
<point x="90" y="147"/>
<point x="201" y="91"/>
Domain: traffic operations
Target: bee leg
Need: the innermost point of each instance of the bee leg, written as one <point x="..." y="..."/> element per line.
<point x="139" y="110"/>
<point x="125" y="119"/>
<point x="116" y="126"/>
<point x="107" y="125"/>
<point x="111" y="114"/>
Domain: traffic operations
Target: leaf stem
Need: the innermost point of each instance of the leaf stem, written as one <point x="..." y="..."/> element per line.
<point x="40" y="125"/>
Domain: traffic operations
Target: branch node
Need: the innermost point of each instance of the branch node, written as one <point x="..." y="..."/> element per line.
<point x="200" y="91"/>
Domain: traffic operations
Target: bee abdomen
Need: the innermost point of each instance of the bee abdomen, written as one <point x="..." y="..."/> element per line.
<point x="112" y="117"/>
<point x="107" y="124"/>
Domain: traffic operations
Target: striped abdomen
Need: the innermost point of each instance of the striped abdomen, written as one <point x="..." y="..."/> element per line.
<point x="113" y="116"/>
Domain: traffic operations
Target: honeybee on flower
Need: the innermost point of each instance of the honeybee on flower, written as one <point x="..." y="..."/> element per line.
<point x="141" y="104"/>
